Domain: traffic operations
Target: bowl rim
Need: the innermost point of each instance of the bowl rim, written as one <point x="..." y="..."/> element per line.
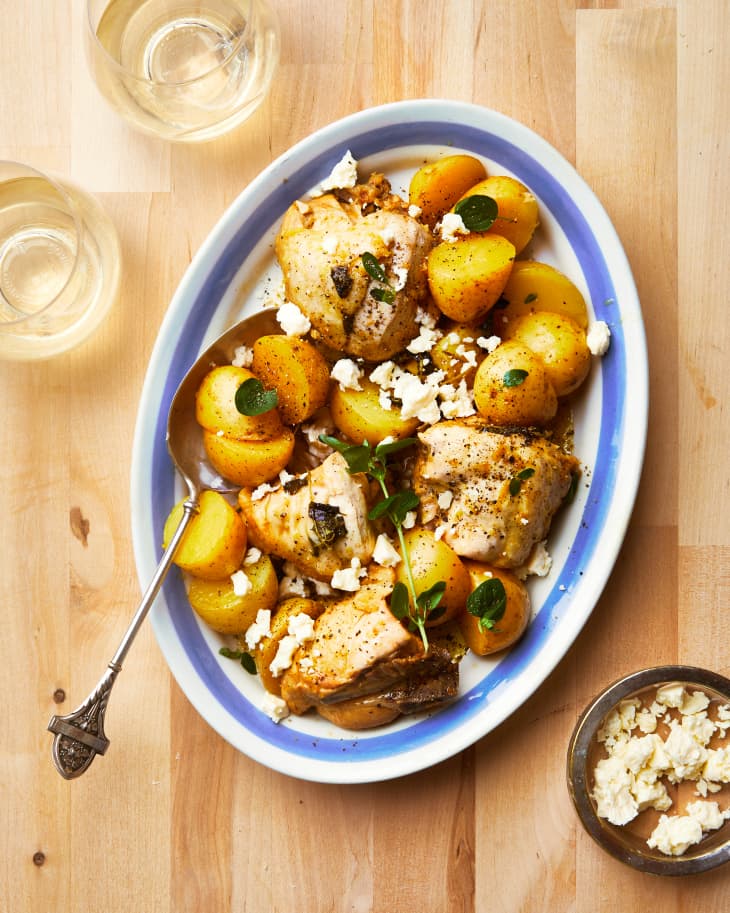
<point x="577" y="761"/>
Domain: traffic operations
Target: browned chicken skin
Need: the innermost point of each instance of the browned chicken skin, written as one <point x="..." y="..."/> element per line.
<point x="282" y="523"/>
<point x="506" y="488"/>
<point x="363" y="668"/>
<point x="320" y="246"/>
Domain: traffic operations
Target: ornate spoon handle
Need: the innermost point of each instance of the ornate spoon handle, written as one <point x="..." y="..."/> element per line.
<point x="80" y="734"/>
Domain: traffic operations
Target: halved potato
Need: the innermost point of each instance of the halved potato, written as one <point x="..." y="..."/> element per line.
<point x="249" y="462"/>
<point x="432" y="560"/>
<point x="266" y="650"/>
<point x="215" y="407"/>
<point x="516" y="206"/>
<point x="559" y="343"/>
<point x="511" y="387"/>
<point x="534" y="286"/>
<point x="435" y="187"/>
<point x="296" y="370"/>
<point x="218" y="605"/>
<point x="214" y="543"/>
<point x="359" y="415"/>
<point x="511" y="626"/>
<point x="467" y="276"/>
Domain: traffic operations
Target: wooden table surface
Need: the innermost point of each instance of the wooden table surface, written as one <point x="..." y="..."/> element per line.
<point x="173" y="819"/>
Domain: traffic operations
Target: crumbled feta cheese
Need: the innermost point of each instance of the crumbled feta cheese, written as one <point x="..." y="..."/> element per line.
<point x="274" y="707"/>
<point x="344" y="174"/>
<point x="440" y="531"/>
<point x="385" y="552"/>
<point x="301" y="627"/>
<point x="384" y="401"/>
<point x="540" y="560"/>
<point x="598" y="338"/>
<point x="384" y="374"/>
<point x="414" y="211"/>
<point x="489" y="343"/>
<point x="451" y="226"/>
<point x="241" y="584"/>
<point x="456" y="402"/>
<point x="708" y="814"/>
<point x="401" y="277"/>
<point x="444" y="499"/>
<point x="409" y="521"/>
<point x="418" y="398"/>
<point x="259" y="629"/>
<point x="242" y="357"/>
<point x="264" y="489"/>
<point x="348" y="578"/>
<point x="252" y="556"/>
<point x="717" y="765"/>
<point x="292" y="321"/>
<point x="424" y="342"/>
<point x="292" y="586"/>
<point x="347" y="374"/>
<point x="288" y="646"/>
<point x="426" y="318"/>
<point x="675" y="834"/>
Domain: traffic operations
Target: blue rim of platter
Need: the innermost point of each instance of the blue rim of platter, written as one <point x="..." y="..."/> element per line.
<point x="337" y="756"/>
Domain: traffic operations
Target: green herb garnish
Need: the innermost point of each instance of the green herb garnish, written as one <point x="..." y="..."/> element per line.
<point x="514" y="377"/>
<point x="530" y="298"/>
<point x="376" y="271"/>
<point x="246" y="660"/>
<point x="329" y="524"/>
<point x="478" y="212"/>
<point x="515" y="483"/>
<point x="405" y="602"/>
<point x="252" y="399"/>
<point x="488" y="602"/>
<point x="373" y="268"/>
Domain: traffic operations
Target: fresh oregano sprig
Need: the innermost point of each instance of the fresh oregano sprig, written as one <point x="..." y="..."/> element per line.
<point x="405" y="602"/>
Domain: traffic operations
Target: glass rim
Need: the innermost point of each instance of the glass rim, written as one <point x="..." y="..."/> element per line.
<point x="158" y="83"/>
<point x="73" y="210"/>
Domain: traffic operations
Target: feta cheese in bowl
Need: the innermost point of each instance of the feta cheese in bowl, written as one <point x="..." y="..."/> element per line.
<point x="649" y="770"/>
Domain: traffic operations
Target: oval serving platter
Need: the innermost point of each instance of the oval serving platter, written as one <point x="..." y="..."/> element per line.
<point x="229" y="278"/>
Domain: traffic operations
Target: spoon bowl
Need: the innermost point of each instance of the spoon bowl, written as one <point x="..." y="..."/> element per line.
<point x="79" y="735"/>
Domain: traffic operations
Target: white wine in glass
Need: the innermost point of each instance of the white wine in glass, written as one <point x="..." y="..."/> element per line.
<point x="183" y="70"/>
<point x="60" y="264"/>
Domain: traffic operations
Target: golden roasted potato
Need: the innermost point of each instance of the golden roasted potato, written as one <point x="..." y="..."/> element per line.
<point x="505" y="631"/>
<point x="433" y="560"/>
<point x="534" y="286"/>
<point x="214" y="543"/>
<point x="518" y="214"/>
<point x="249" y="463"/>
<point x="435" y="187"/>
<point x="511" y="387"/>
<point x="296" y="370"/>
<point x="215" y="407"/>
<point x="457" y="353"/>
<point x="218" y="605"/>
<point x="266" y="650"/>
<point x="467" y="276"/>
<point x="359" y="415"/>
<point x="559" y="343"/>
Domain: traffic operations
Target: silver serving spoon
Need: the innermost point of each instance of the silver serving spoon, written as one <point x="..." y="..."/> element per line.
<point x="79" y="736"/>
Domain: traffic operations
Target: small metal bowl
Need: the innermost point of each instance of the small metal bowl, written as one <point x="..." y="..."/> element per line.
<point x="714" y="849"/>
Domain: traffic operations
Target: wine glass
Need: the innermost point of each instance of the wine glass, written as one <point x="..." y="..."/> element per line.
<point x="179" y="69"/>
<point x="60" y="264"/>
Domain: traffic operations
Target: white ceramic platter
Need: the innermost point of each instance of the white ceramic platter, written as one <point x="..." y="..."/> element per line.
<point x="226" y="281"/>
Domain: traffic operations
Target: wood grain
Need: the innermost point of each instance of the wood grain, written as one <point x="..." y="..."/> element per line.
<point x="173" y="819"/>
